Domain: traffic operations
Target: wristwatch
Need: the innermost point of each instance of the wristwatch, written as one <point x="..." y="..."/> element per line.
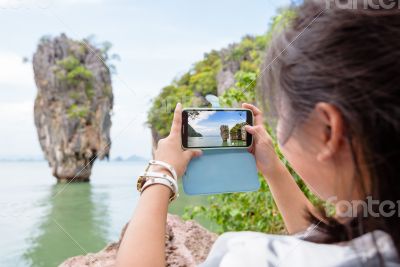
<point x="148" y="178"/>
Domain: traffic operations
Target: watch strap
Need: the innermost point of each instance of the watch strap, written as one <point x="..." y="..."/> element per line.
<point x="166" y="166"/>
<point x="154" y="180"/>
<point x="161" y="175"/>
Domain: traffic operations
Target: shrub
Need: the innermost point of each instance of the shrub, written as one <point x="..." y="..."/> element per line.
<point x="74" y="73"/>
<point x="77" y="112"/>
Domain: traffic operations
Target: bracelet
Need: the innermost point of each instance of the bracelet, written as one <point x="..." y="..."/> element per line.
<point x="154" y="180"/>
<point x="161" y="175"/>
<point x="166" y="180"/>
<point x="165" y="165"/>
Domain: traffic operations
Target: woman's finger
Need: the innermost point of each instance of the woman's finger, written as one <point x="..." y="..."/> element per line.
<point x="258" y="118"/>
<point x="193" y="153"/>
<point x="251" y="149"/>
<point x="177" y="121"/>
<point x="250" y="129"/>
<point x="253" y="108"/>
<point x="257" y="131"/>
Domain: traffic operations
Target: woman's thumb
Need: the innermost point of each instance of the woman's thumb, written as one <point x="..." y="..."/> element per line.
<point x="257" y="131"/>
<point x="250" y="129"/>
<point x="194" y="153"/>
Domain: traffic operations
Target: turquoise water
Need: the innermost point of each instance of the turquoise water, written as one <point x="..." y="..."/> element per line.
<point x="42" y="223"/>
<point x="213" y="141"/>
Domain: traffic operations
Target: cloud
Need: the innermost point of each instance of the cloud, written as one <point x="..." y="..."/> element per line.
<point x="25" y="4"/>
<point x="42" y="4"/>
<point x="201" y="117"/>
<point x="213" y="128"/>
<point x="72" y="2"/>
<point x="207" y="130"/>
<point x="14" y="72"/>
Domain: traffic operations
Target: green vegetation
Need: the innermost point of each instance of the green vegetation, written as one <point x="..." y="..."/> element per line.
<point x="236" y="211"/>
<point x="71" y="71"/>
<point x="77" y="112"/>
<point x="74" y="95"/>
<point x="107" y="90"/>
<point x="74" y="73"/>
<point x="189" y="89"/>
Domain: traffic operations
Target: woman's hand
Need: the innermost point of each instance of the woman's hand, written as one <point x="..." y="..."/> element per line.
<point x="170" y="150"/>
<point x="263" y="148"/>
<point x="279" y="179"/>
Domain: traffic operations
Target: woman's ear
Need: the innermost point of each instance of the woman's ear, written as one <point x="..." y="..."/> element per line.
<point x="331" y="121"/>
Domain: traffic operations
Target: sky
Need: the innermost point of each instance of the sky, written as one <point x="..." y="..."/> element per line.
<point x="208" y="122"/>
<point x="156" y="40"/>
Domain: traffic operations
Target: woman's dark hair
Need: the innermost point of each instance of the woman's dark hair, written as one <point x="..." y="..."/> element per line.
<point x="349" y="58"/>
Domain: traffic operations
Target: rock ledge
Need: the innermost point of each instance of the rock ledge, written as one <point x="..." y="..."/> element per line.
<point x="187" y="245"/>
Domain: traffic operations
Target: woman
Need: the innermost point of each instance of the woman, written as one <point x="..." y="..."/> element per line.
<point x="333" y="78"/>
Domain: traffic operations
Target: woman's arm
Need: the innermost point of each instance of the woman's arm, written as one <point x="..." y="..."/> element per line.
<point x="144" y="241"/>
<point x="290" y="200"/>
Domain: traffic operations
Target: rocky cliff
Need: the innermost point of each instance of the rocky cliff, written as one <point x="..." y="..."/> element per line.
<point x="72" y="106"/>
<point x="187" y="245"/>
<point x="230" y="65"/>
<point x="224" y="132"/>
<point x="192" y="132"/>
<point x="238" y="132"/>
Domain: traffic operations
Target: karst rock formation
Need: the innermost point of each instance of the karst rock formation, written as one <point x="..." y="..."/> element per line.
<point x="224" y="132"/>
<point x="73" y="105"/>
<point x="238" y="132"/>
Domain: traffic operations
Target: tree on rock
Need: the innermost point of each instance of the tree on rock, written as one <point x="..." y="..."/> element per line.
<point x="73" y="105"/>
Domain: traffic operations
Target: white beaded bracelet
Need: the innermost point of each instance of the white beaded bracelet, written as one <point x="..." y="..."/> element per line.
<point x="164" y="176"/>
<point x="165" y="165"/>
<point x="154" y="180"/>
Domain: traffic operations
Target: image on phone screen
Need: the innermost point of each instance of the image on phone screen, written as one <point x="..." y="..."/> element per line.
<point x="216" y="128"/>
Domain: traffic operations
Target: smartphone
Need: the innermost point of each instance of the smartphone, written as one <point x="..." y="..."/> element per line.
<point x="212" y="128"/>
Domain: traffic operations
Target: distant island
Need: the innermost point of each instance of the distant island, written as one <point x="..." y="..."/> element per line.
<point x="41" y="158"/>
<point x="21" y="158"/>
<point x="192" y="132"/>
<point x="130" y="158"/>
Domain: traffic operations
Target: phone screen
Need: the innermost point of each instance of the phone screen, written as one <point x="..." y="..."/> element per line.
<point x="216" y="128"/>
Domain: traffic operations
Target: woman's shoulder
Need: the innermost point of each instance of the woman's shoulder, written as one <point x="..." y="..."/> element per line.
<point x="258" y="249"/>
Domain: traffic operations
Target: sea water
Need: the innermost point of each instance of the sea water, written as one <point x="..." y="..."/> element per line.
<point x="213" y="141"/>
<point x="42" y="223"/>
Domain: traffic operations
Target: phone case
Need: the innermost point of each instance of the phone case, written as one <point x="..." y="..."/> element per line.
<point x="221" y="171"/>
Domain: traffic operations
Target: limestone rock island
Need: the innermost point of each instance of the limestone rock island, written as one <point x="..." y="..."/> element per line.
<point x="238" y="132"/>
<point x="224" y="131"/>
<point x="73" y="105"/>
